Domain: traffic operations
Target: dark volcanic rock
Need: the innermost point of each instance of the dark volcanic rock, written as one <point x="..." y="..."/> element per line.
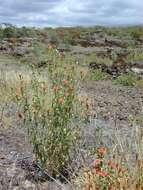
<point x="138" y="64"/>
<point x="20" y="51"/>
<point x="137" y="67"/>
<point x="119" y="66"/>
<point x="5" y="47"/>
<point x="63" y="48"/>
<point x="94" y="66"/>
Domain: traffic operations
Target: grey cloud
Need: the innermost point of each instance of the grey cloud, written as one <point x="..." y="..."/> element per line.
<point x="71" y="12"/>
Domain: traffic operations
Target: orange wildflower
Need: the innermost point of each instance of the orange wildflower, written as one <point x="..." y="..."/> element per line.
<point x="101" y="151"/>
<point x="66" y="94"/>
<point x="54" y="46"/>
<point x="97" y="163"/>
<point x="61" y="101"/>
<point x="102" y="173"/>
<point x="55" y="88"/>
<point x="49" y="111"/>
<point x="18" y="91"/>
<point x="71" y="88"/>
<point x="121" y="171"/>
<point x="112" y="165"/>
<point x="61" y="55"/>
<point x="34" y="110"/>
<point x="64" y="82"/>
<point x="50" y="46"/>
<point x="140" y="163"/>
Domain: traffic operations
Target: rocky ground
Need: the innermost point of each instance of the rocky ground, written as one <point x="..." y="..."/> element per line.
<point x="115" y="101"/>
<point x="117" y="112"/>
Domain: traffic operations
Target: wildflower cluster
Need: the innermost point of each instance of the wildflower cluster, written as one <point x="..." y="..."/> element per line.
<point x="105" y="175"/>
<point x="48" y="109"/>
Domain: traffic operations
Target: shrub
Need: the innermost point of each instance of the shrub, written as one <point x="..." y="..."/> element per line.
<point x="105" y="174"/>
<point x="120" y="166"/>
<point x="48" y="107"/>
<point x="127" y="80"/>
<point x="9" y="32"/>
<point x="98" y="75"/>
<point x="140" y="83"/>
<point x="95" y="58"/>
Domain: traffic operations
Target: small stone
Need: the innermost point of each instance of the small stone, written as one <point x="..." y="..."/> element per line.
<point x="29" y="185"/>
<point x="2" y="157"/>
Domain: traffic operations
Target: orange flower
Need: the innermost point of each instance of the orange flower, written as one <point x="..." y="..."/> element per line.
<point x="34" y="109"/>
<point x="112" y="165"/>
<point x="54" y="46"/>
<point x="64" y="82"/>
<point x="101" y="151"/>
<point x="66" y="94"/>
<point x="71" y="88"/>
<point x="61" y="55"/>
<point x="140" y="163"/>
<point x="121" y="171"/>
<point x="49" y="111"/>
<point x="50" y="46"/>
<point x="18" y="90"/>
<point x="55" y="89"/>
<point x="102" y="173"/>
<point x="97" y="163"/>
<point x="61" y="101"/>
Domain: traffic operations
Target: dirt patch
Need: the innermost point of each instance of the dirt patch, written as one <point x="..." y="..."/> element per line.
<point x="113" y="101"/>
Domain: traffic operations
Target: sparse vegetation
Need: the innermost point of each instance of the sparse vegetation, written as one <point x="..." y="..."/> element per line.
<point x="49" y="92"/>
<point x="127" y="80"/>
<point x="97" y="75"/>
<point x="48" y="108"/>
<point x="140" y="83"/>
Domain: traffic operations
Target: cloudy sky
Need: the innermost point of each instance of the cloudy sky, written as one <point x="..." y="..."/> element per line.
<point x="71" y="12"/>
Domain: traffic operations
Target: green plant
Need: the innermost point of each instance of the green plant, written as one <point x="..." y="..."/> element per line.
<point x="119" y="166"/>
<point x="48" y="108"/>
<point x="127" y="79"/>
<point x="139" y="83"/>
<point x="94" y="58"/>
<point x="135" y="57"/>
<point x="105" y="174"/>
<point x="97" y="75"/>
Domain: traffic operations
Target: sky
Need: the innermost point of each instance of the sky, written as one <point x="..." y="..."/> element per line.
<point x="54" y="13"/>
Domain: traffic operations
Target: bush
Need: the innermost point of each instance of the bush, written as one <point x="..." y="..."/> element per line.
<point x="140" y="83"/>
<point x="119" y="166"/>
<point x="48" y="108"/>
<point x="98" y="75"/>
<point x="105" y="174"/>
<point x="127" y="80"/>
